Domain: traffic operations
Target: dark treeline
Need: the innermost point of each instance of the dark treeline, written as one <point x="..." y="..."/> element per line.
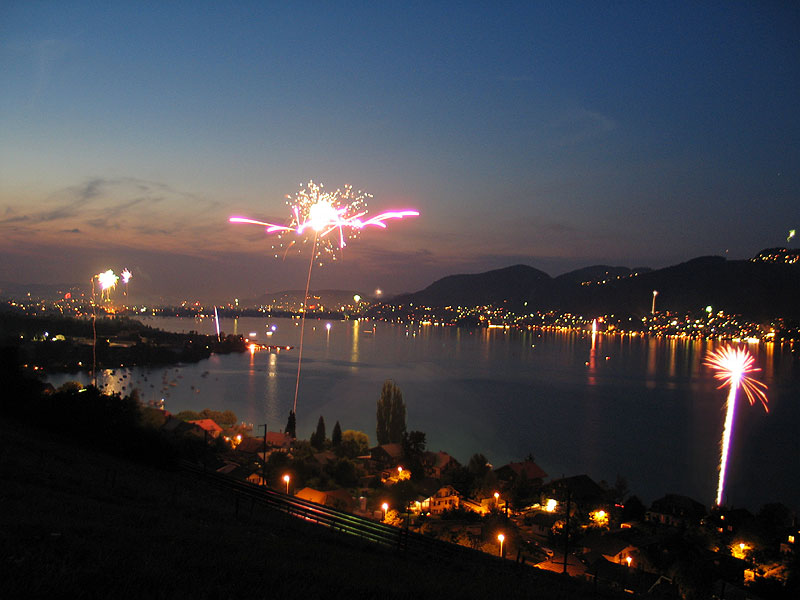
<point x="120" y="341"/>
<point x="108" y="422"/>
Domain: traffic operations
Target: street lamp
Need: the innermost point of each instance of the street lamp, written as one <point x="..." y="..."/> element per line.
<point x="628" y="560"/>
<point x="385" y="508"/>
<point x="286" y="479"/>
<point x="496" y="499"/>
<point x="501" y="538"/>
<point x="653" y="309"/>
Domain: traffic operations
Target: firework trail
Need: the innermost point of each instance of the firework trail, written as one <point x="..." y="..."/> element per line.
<point x="107" y="280"/>
<point x="732" y="367"/>
<point x="343" y="212"/>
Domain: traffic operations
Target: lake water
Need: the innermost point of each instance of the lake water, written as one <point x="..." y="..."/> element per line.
<point x="643" y="408"/>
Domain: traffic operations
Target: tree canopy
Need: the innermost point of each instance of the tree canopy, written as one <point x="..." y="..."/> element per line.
<point x="391" y="414"/>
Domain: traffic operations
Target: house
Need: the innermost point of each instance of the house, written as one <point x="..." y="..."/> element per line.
<point x="325" y="458"/>
<point x="438" y="463"/>
<point x="675" y="510"/>
<point x="528" y="469"/>
<point x="339" y="499"/>
<point x="208" y="425"/>
<point x="541" y="522"/>
<point x="446" y="498"/>
<point x="277" y="441"/>
<point x="630" y="579"/>
<point x="387" y="455"/>
<point x="583" y="491"/>
<point x="180" y="427"/>
<point x="614" y="549"/>
<point x="252" y="447"/>
<point x="475" y="506"/>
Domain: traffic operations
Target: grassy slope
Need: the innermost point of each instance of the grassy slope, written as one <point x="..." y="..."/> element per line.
<point x="75" y="523"/>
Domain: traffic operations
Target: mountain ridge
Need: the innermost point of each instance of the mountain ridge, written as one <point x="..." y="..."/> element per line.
<point x="758" y="288"/>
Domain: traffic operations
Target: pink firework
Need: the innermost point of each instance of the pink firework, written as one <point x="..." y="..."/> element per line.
<point x="733" y="367"/>
<point x="343" y="213"/>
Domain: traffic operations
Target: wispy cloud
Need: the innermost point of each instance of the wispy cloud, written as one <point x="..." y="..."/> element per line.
<point x="125" y="210"/>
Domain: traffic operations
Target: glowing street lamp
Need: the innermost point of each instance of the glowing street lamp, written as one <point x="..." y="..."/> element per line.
<point x="653" y="309"/>
<point x="496" y="499"/>
<point x="628" y="560"/>
<point x="286" y="479"/>
<point x="385" y="508"/>
<point x="501" y="538"/>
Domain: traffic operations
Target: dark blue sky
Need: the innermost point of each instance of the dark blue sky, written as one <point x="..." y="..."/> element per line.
<point x="554" y="134"/>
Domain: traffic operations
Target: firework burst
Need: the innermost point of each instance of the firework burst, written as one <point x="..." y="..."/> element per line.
<point x="733" y="366"/>
<point x="333" y="217"/>
<point x="108" y="281"/>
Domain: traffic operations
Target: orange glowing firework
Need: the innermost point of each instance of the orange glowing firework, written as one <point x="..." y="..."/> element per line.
<point x="732" y="367"/>
<point x="342" y="212"/>
<point x="107" y="280"/>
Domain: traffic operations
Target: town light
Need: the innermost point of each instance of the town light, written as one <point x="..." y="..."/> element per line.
<point x="501" y="538"/>
<point x="286" y="479"/>
<point x="628" y="560"/>
<point x="385" y="508"/>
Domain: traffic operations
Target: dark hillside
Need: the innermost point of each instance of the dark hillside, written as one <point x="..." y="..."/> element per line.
<point x="81" y="524"/>
<point x="513" y="284"/>
<point x="757" y="290"/>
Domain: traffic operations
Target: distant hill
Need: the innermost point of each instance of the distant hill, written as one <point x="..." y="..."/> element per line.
<point x="757" y="289"/>
<point x="514" y="284"/>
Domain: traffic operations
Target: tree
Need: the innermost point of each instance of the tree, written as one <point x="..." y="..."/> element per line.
<point x="414" y="444"/>
<point x="318" y="437"/>
<point x="391" y="414"/>
<point x="413" y="451"/>
<point x="336" y="436"/>
<point x="354" y="443"/>
<point x="291" y="425"/>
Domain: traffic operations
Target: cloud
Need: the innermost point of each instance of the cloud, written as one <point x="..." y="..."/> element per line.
<point x="123" y="210"/>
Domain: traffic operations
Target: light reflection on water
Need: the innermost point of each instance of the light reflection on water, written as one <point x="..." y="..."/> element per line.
<point x="643" y="408"/>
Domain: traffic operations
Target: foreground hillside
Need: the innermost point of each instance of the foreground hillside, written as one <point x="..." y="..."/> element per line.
<point x="78" y="523"/>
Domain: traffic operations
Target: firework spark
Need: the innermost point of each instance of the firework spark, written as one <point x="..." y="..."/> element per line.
<point x="733" y="367"/>
<point x="126" y="277"/>
<point x="108" y="281"/>
<point x="343" y="212"/>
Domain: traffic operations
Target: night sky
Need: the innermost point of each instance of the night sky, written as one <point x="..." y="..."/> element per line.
<point x="554" y="134"/>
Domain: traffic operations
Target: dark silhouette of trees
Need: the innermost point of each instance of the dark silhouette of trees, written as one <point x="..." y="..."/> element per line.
<point x="413" y="453"/>
<point x="391" y="414"/>
<point x="318" y="437"/>
<point x="291" y="425"/>
<point x="336" y="436"/>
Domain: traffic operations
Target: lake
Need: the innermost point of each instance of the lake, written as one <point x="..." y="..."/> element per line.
<point x="605" y="405"/>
